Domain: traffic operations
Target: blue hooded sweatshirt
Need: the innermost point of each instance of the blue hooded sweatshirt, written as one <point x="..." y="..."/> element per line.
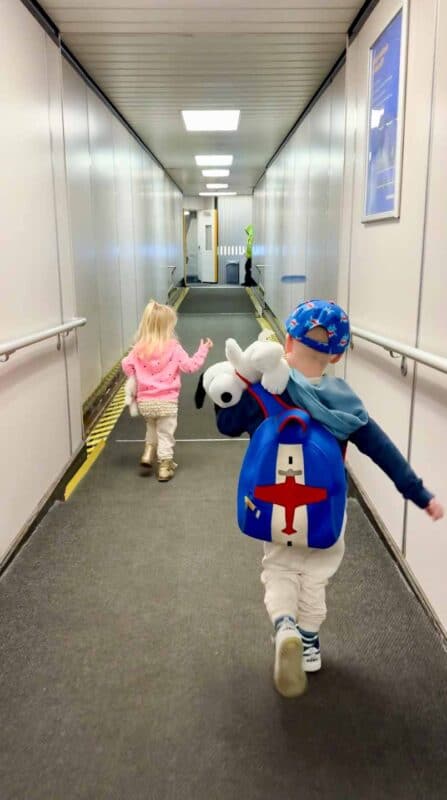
<point x="330" y="401"/>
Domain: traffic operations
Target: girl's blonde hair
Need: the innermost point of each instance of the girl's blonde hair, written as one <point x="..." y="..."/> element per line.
<point x="156" y="328"/>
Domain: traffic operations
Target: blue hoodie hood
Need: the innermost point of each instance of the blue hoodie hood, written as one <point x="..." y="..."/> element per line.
<point x="331" y="402"/>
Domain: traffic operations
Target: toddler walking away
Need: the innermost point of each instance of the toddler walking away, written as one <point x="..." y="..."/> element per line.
<point x="295" y="577"/>
<point x="156" y="361"/>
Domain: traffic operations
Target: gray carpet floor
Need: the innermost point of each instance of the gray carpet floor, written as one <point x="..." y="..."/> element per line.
<point x="136" y="656"/>
<point x="218" y="300"/>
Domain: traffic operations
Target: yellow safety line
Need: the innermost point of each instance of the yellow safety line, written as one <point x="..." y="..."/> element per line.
<point x="262" y="322"/>
<point x="251" y="296"/>
<point x="180" y="298"/>
<point x="82" y="471"/>
<point x="267" y="327"/>
<point x="107" y="420"/>
<point x="97" y="439"/>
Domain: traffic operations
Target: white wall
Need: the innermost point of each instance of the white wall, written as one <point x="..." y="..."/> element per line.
<point x="40" y="424"/>
<point x="387" y="269"/>
<point x="126" y="218"/>
<point x="235" y="213"/>
<point x="297" y="207"/>
<point x="388" y="274"/>
<point x="426" y="544"/>
<point x="89" y="225"/>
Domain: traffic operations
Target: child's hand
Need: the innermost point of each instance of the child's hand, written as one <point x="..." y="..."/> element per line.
<point x="434" y="509"/>
<point x="207" y="342"/>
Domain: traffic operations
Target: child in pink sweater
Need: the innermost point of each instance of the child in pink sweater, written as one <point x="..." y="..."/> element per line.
<point x="156" y="361"/>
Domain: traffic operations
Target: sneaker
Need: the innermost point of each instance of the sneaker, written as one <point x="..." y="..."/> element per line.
<point x="166" y="469"/>
<point x="147" y="458"/>
<point x="311" y="651"/>
<point x="289" y="677"/>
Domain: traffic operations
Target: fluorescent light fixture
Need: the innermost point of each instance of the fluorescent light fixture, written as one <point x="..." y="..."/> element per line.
<point x="217" y="185"/>
<point x="215" y="173"/>
<point x="216" y="194"/>
<point x="211" y="120"/>
<point x="214" y="161"/>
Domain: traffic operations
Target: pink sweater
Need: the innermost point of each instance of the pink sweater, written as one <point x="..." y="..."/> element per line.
<point x="158" y="377"/>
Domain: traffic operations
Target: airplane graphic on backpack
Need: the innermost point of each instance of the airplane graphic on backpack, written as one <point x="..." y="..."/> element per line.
<point x="292" y="484"/>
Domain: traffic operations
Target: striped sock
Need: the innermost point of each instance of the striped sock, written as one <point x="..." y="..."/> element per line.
<point x="287" y="621"/>
<point x="309" y="638"/>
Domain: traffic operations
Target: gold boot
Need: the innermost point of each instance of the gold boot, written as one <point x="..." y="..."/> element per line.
<point x="148" y="455"/>
<point x="166" y="469"/>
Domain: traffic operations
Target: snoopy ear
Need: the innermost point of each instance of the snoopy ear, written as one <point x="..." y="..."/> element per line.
<point x="233" y="353"/>
<point x="199" y="397"/>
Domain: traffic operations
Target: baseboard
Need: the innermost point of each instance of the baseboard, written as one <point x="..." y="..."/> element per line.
<point x="356" y="491"/>
<point x="55" y="493"/>
<point x="95" y="405"/>
<point x="277" y="326"/>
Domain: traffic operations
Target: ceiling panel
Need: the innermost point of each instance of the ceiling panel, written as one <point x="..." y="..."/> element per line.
<point x="155" y="57"/>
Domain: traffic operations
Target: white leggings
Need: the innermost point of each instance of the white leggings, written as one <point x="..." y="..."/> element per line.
<point x="160" y="432"/>
<point x="295" y="581"/>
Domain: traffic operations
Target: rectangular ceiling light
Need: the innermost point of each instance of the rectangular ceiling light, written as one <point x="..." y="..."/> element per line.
<point x="211" y="120"/>
<point x="216" y="194"/>
<point x="217" y="185"/>
<point x="214" y="161"/>
<point x="215" y="173"/>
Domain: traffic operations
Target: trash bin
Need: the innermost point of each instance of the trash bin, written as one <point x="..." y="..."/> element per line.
<point x="232" y="272"/>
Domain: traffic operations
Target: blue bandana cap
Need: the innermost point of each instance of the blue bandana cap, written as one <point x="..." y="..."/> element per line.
<point x="324" y="314"/>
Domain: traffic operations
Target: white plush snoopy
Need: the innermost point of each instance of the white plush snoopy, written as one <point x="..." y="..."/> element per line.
<point x="262" y="361"/>
<point x="130" y="395"/>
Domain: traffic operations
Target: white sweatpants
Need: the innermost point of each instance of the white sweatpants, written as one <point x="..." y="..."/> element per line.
<point x="160" y="432"/>
<point x="295" y="581"/>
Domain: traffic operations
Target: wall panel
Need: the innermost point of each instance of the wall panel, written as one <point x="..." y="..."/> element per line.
<point x="77" y="156"/>
<point x="64" y="244"/>
<point x="35" y="444"/>
<point x="299" y="205"/>
<point x="124" y="221"/>
<point x="100" y="123"/>
<point x="385" y="256"/>
<point x="426" y="544"/>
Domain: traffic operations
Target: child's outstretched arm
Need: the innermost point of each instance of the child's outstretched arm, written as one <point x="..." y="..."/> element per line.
<point x="190" y="364"/>
<point x="373" y="442"/>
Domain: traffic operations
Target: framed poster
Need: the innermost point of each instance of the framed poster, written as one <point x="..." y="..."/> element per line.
<point x="386" y="92"/>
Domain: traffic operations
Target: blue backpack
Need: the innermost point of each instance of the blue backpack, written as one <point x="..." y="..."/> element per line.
<point x="292" y="485"/>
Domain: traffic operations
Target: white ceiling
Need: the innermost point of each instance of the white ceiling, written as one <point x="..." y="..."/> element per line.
<point x="154" y="58"/>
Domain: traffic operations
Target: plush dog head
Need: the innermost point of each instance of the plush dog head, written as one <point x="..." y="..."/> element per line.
<point x="262" y="361"/>
<point x="221" y="384"/>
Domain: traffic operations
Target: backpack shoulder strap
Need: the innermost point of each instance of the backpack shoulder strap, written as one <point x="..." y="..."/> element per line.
<point x="270" y="404"/>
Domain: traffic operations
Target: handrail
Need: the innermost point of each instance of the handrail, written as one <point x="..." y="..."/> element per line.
<point x="8" y="348"/>
<point x="172" y="287"/>
<point x="397" y="349"/>
<point x="259" y="290"/>
<point x="261" y="275"/>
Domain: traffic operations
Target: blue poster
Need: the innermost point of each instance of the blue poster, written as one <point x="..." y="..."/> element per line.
<point x="383" y="120"/>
